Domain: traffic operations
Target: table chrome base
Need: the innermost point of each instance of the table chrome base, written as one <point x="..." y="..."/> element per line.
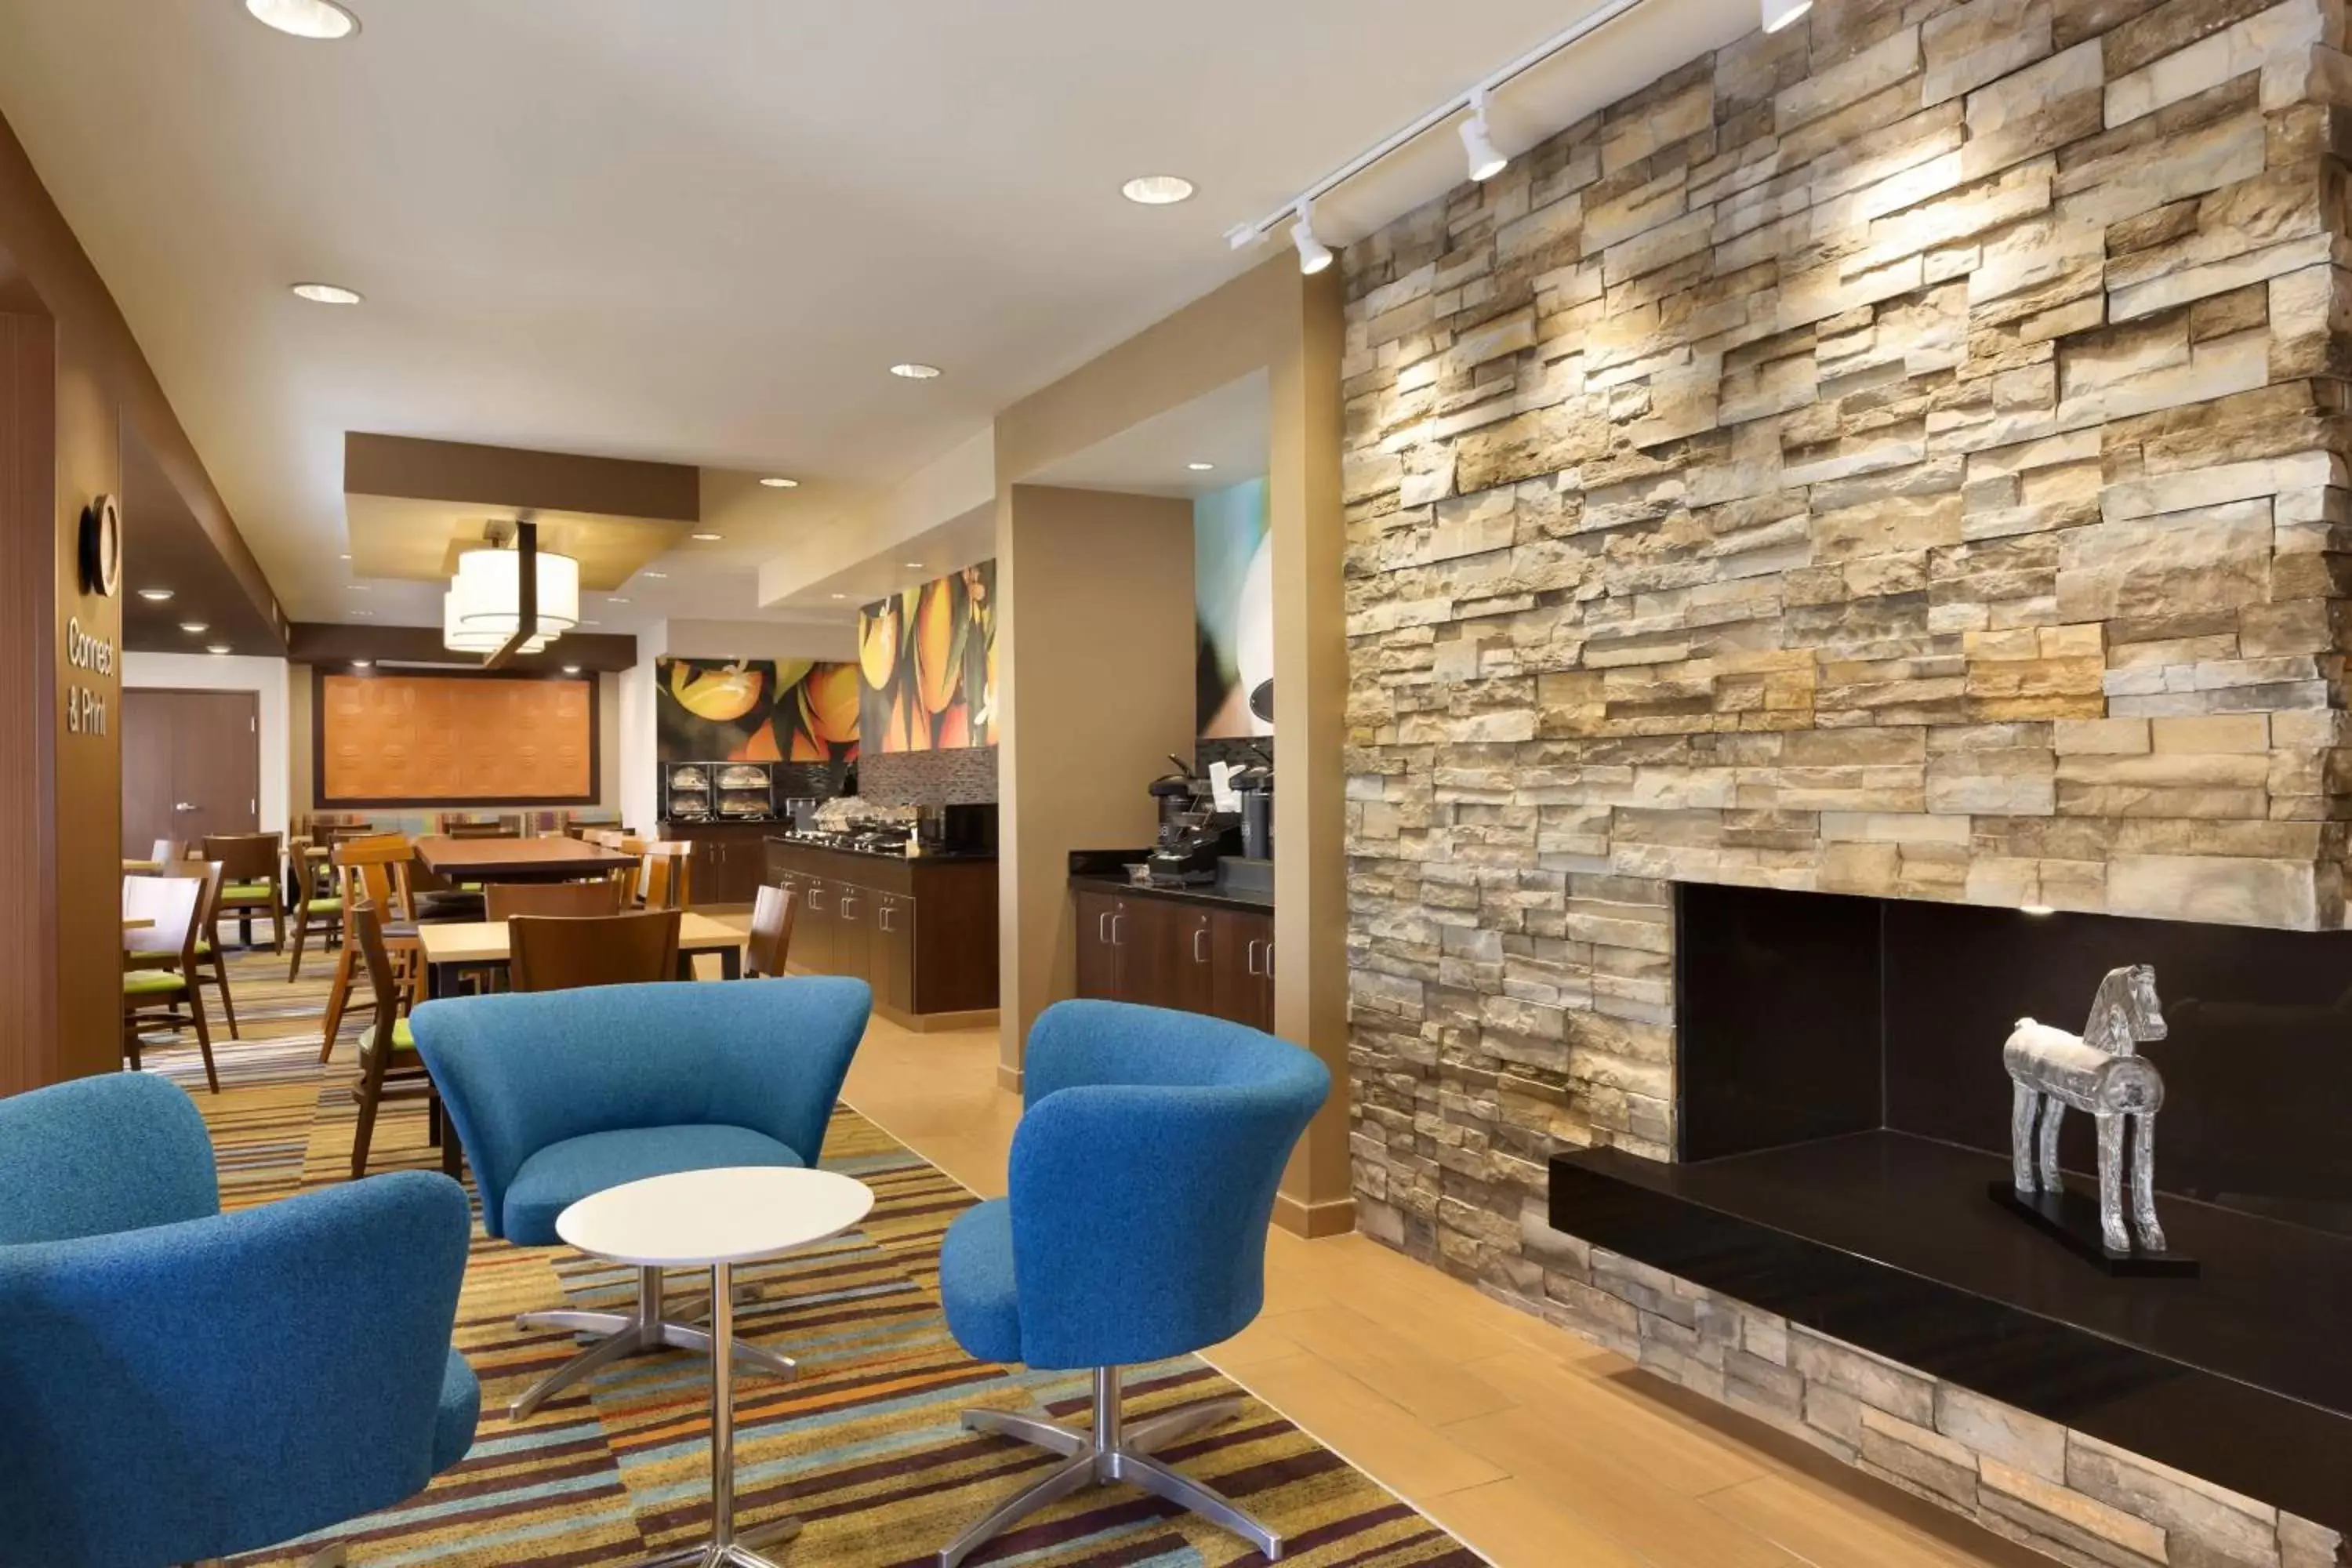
<point x="1112" y="1452"/>
<point x="739" y="1551"/>
<point x="628" y="1334"/>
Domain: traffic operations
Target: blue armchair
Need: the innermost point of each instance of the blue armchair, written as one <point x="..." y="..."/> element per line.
<point x="179" y="1384"/>
<point x="1143" y="1176"/>
<point x="559" y="1094"/>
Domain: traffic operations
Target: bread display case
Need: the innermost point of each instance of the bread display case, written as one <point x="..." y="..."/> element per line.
<point x="718" y="792"/>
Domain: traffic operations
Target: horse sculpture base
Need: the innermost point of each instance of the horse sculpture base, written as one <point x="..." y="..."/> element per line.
<point x="2073" y="1220"/>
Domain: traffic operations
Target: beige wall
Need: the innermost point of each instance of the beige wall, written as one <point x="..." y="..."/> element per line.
<point x="1095" y="658"/>
<point x="299" y="725"/>
<point x="1270" y="320"/>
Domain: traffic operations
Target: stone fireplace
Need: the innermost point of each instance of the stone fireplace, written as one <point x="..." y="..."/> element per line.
<point x="1903" y="457"/>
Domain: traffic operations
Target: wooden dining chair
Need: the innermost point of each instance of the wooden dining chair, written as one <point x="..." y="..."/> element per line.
<point x="212" y="965"/>
<point x="318" y="907"/>
<point x="557" y="952"/>
<point x="771" y="930"/>
<point x="166" y="851"/>
<point x="504" y="901"/>
<point x="471" y="830"/>
<point x="666" y="864"/>
<point x="374" y="870"/>
<point x="251" y="864"/>
<point x="155" y="995"/>
<point x="390" y="1068"/>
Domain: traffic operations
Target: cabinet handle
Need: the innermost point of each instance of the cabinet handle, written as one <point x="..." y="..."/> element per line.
<point x="1199" y="933"/>
<point x="1249" y="956"/>
<point x="1116" y="921"/>
<point x="1102" y="926"/>
<point x="1269" y="958"/>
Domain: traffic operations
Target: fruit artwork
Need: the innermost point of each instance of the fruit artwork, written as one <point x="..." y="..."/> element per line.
<point x="927" y="664"/>
<point x="757" y="711"/>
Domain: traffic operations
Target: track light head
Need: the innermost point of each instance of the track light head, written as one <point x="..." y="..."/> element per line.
<point x="1314" y="256"/>
<point x="1486" y="159"/>
<point x="1780" y="13"/>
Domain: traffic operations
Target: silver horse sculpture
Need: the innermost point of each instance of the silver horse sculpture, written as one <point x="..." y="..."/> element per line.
<point x="2096" y="1072"/>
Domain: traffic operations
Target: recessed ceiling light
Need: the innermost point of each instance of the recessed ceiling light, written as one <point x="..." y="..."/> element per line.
<point x="360" y="614"/>
<point x="658" y="576"/>
<point x="592" y="623"/>
<point x="154" y="596"/>
<point x="346" y="555"/>
<point x="357" y="588"/>
<point x="707" y="538"/>
<point x="216" y="647"/>
<point x="321" y="21"/>
<point x="914" y="567"/>
<point x="841" y="595"/>
<point x="571" y="670"/>
<point x="615" y="599"/>
<point x="362" y="664"/>
<point x="912" y="370"/>
<point x="1158" y="190"/>
<point x="194" y="628"/>
<point x="777" y="482"/>
<point x="327" y="294"/>
<point x="1200" y="468"/>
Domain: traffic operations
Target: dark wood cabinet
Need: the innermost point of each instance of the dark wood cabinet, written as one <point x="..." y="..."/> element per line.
<point x="921" y="932"/>
<point x="1164" y="952"/>
<point x="730" y="860"/>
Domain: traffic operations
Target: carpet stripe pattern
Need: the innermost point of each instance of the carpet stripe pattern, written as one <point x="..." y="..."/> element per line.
<point x="865" y="1446"/>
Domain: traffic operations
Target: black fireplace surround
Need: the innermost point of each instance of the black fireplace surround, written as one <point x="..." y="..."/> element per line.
<point x="1843" y="1108"/>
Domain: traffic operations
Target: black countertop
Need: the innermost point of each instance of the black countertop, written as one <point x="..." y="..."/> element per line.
<point x="1211" y="897"/>
<point x="792" y="841"/>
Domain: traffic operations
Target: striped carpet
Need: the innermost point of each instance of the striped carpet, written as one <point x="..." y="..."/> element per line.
<point x="865" y="1446"/>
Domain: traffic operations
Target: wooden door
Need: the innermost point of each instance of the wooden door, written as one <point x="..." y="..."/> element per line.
<point x="1241" y="981"/>
<point x="191" y="765"/>
<point x="1097" y="957"/>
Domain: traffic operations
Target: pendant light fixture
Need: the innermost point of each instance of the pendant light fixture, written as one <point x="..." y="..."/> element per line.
<point x="489" y="592"/>
<point x="458" y="637"/>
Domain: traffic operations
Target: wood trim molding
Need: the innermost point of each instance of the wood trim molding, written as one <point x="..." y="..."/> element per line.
<point x="1333" y="1217"/>
<point x="327" y="642"/>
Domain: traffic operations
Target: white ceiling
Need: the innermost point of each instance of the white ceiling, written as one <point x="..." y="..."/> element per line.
<point x="698" y="232"/>
<point x="1226" y="429"/>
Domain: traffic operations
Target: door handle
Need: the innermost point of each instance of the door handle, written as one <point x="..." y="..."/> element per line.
<point x="1198" y="933"/>
<point x="184" y="805"/>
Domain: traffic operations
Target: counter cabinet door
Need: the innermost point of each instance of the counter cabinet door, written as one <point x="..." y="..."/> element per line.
<point x="813" y="927"/>
<point x="891" y="944"/>
<point x="1098" y="952"/>
<point x="1242" y="977"/>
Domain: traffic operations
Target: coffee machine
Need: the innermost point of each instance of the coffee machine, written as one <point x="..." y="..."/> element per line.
<point x="1193" y="834"/>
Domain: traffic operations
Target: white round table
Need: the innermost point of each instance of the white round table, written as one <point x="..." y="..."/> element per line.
<point x="717" y="1219"/>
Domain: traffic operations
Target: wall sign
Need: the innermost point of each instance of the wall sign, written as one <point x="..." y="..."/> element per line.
<point x="101" y="547"/>
<point x="85" y="707"/>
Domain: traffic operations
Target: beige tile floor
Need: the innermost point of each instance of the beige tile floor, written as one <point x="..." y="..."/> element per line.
<point x="1533" y="1446"/>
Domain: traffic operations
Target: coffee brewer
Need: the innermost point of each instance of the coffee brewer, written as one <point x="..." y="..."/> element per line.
<point x="1193" y="834"/>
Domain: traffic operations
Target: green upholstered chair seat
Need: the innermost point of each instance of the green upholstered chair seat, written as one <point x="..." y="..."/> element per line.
<point x="152" y="983"/>
<point x="166" y="955"/>
<point x="243" y="890"/>
<point x="326" y="906"/>
<point x="402" y="1038"/>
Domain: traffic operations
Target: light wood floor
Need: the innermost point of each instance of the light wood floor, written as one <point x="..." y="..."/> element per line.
<point x="1533" y="1446"/>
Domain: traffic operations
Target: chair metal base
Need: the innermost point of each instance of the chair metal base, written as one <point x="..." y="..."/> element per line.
<point x="628" y="1334"/>
<point x="1112" y="1452"/>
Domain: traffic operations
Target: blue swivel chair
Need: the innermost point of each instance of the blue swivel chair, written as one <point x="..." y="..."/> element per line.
<point x="177" y="1383"/>
<point x="559" y="1094"/>
<point x="1143" y="1174"/>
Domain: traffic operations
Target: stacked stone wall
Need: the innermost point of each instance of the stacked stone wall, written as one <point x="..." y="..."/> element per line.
<point x="1903" y="456"/>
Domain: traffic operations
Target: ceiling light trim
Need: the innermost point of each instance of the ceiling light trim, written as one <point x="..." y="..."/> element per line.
<point x="1242" y="236"/>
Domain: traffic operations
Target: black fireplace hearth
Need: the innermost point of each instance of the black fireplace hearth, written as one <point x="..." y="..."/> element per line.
<point x="1842" y="1111"/>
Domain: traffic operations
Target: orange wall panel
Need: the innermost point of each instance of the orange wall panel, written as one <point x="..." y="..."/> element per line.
<point x="433" y="740"/>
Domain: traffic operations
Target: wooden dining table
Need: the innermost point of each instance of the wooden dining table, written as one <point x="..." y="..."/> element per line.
<point x="519" y="860"/>
<point x="453" y="948"/>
